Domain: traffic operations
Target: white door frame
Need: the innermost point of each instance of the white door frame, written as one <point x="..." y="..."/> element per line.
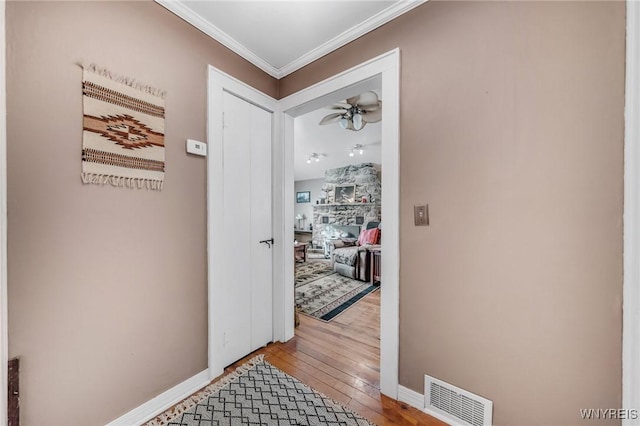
<point x="4" y="331"/>
<point x="386" y="70"/>
<point x="219" y="82"/>
<point x="631" y="220"/>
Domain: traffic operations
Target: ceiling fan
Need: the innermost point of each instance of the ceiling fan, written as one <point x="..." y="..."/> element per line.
<point x="356" y="112"/>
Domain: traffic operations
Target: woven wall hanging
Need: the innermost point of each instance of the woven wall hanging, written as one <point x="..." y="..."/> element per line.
<point x="123" y="131"/>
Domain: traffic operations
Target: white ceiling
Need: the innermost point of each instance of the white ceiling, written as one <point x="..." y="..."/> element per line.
<point x="282" y="36"/>
<point x="334" y="142"/>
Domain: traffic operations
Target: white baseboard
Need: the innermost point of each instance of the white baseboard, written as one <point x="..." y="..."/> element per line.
<point x="162" y="402"/>
<point x="416" y="400"/>
<point x="411" y="397"/>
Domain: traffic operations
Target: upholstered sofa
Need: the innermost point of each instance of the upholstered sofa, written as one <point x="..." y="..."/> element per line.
<point x="350" y="258"/>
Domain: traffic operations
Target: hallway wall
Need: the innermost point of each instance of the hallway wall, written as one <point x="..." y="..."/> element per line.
<point x="107" y="286"/>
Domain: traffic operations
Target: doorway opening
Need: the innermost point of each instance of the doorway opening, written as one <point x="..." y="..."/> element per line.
<point x="337" y="203"/>
<point x="381" y="74"/>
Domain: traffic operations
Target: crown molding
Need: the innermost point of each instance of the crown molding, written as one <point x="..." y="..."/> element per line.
<point x="368" y="25"/>
<point x="178" y="8"/>
<point x="351" y="34"/>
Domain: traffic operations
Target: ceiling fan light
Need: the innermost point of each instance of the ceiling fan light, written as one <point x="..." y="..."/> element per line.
<point x="361" y="151"/>
<point x="344" y="123"/>
<point x="351" y="154"/>
<point x="309" y="160"/>
<point x="317" y="159"/>
<point x="357" y="121"/>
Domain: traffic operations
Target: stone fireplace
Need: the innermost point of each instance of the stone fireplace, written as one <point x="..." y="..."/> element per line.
<point x="365" y="208"/>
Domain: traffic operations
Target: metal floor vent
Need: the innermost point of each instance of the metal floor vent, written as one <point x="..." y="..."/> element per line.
<point x="457" y="404"/>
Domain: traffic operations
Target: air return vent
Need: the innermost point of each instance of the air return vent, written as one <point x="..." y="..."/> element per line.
<point x="458" y="404"/>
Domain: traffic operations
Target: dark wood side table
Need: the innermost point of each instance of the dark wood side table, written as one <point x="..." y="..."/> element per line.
<point x="303" y="236"/>
<point x="375" y="262"/>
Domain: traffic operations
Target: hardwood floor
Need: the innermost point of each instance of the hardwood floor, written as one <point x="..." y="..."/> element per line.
<point x="341" y="359"/>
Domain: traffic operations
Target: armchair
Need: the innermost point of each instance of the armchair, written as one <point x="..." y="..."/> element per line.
<point x="349" y="257"/>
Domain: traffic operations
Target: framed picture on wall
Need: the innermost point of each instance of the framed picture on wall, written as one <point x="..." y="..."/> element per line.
<point x="345" y="193"/>
<point x="303" y="197"/>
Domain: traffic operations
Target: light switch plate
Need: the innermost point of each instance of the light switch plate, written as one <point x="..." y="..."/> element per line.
<point x="421" y="214"/>
<point x="196" y="148"/>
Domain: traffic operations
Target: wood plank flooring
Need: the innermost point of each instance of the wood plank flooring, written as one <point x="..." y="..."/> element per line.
<point x="341" y="359"/>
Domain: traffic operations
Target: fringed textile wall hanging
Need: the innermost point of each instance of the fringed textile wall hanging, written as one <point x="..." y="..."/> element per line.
<point x="123" y="131"/>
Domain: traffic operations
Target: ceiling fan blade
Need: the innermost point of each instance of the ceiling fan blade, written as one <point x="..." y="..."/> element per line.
<point x="372" y="116"/>
<point x="331" y="118"/>
<point x="367" y="99"/>
<point x="353" y="100"/>
<point x="371" y="108"/>
<point x="340" y="105"/>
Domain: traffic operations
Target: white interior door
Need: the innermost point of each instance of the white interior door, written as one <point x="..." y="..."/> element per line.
<point x="261" y="228"/>
<point x="244" y="296"/>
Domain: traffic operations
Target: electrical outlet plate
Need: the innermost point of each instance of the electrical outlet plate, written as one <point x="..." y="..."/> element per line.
<point x="421" y="214"/>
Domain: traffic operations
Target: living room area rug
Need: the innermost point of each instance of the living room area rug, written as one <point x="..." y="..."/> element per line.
<point x="257" y="393"/>
<point x="311" y="271"/>
<point x="327" y="297"/>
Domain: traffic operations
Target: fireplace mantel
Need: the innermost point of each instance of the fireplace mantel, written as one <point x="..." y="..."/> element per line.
<point x="344" y="204"/>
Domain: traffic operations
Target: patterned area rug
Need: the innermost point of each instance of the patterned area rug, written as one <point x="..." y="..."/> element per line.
<point x="328" y="297"/>
<point x="311" y="271"/>
<point x="257" y="393"/>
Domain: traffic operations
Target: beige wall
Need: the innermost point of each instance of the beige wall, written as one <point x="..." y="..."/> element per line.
<point x="512" y="131"/>
<point x="107" y="286"/>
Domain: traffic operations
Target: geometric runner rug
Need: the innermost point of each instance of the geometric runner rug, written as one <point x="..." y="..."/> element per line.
<point x="257" y="393"/>
<point x="328" y="297"/>
<point x="311" y="271"/>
